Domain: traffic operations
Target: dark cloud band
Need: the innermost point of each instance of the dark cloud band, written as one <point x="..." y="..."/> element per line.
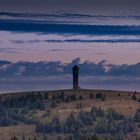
<point x="66" y="15"/>
<point x="31" y="26"/>
<point x="96" y="41"/>
<point x="77" y="41"/>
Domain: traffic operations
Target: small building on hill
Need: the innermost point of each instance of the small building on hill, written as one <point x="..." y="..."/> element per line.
<point x="75" y="71"/>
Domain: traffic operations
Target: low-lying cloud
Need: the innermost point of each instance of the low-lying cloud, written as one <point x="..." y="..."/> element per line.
<point x="22" y="76"/>
<point x="54" y="68"/>
<point x="9" y="50"/>
<point x="67" y="15"/>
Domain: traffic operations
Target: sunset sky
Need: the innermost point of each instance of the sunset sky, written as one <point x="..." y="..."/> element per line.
<point x="35" y="42"/>
<point x="63" y="30"/>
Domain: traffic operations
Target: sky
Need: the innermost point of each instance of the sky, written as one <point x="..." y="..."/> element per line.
<point x="63" y="30"/>
<point x="40" y="30"/>
<point x="35" y="30"/>
<point x="74" y="5"/>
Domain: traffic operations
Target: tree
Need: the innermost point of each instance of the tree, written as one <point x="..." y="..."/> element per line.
<point x="101" y="126"/>
<point x="137" y="115"/>
<point x="62" y="96"/>
<point x="91" y="96"/>
<point x="85" y="117"/>
<point x="72" y="124"/>
<point x="54" y="97"/>
<point x="93" y="113"/>
<point x="41" y="106"/>
<point x="95" y="137"/>
<point x="134" y="97"/>
<point x="80" y="97"/>
<point x="23" y="137"/>
<point x="34" y="138"/>
<point x="56" y="125"/>
<point x="99" y="95"/>
<point x="100" y="112"/>
<point x="46" y="96"/>
<point x="113" y="115"/>
<point x="103" y="97"/>
<point x="40" y="128"/>
<point x="53" y="104"/>
<point x="45" y="137"/>
<point x="14" y="138"/>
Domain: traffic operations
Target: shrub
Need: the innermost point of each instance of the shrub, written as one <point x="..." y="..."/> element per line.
<point x="91" y="96"/>
<point x="137" y="116"/>
<point x="134" y="97"/>
<point x="99" y="95"/>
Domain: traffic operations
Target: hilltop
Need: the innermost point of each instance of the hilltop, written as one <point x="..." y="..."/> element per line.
<point x="43" y="114"/>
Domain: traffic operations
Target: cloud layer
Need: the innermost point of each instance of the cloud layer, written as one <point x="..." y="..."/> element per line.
<point x="26" y="26"/>
<point x="55" y="68"/>
<point x="29" y="76"/>
<point x="66" y="15"/>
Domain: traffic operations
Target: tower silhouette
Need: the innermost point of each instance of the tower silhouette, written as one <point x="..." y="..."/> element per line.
<point x="75" y="71"/>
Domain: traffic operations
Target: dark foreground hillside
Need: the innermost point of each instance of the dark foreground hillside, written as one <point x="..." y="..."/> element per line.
<point x="70" y="115"/>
